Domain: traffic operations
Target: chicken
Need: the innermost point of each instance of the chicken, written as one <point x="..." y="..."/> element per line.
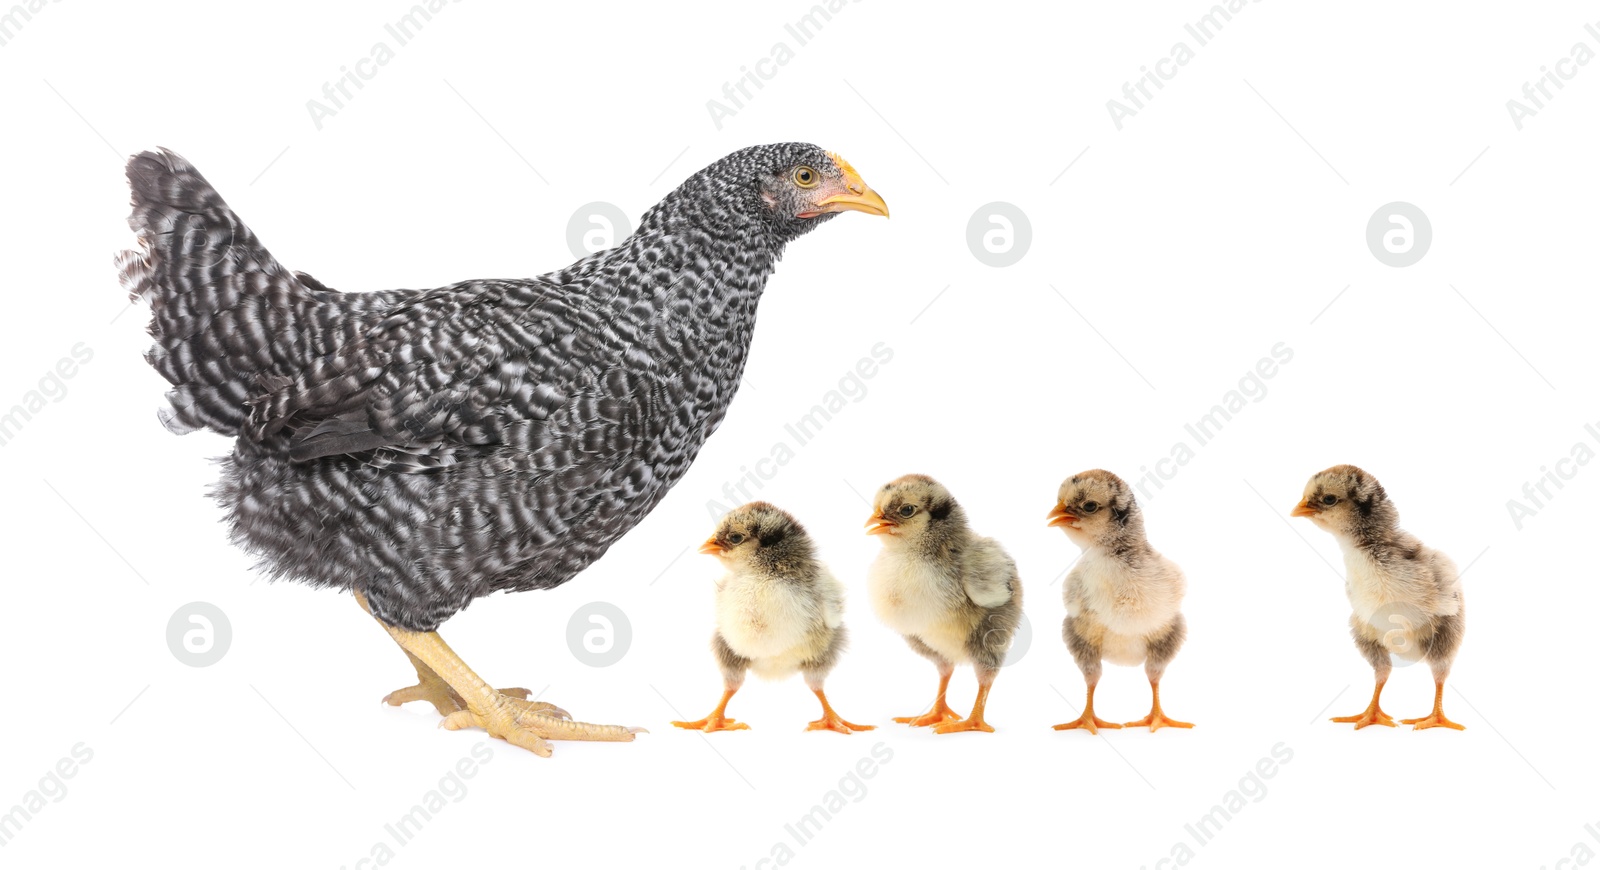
<point x="1406" y="597"/>
<point x="953" y="595"/>
<point x="779" y="610"/>
<point x="1122" y="596"/>
<point x="423" y="448"/>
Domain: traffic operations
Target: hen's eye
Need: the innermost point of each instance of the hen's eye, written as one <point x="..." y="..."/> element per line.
<point x="908" y="510"/>
<point x="1090" y="507"/>
<point x="1330" y="499"/>
<point x="736" y="539"/>
<point x="805" y="176"/>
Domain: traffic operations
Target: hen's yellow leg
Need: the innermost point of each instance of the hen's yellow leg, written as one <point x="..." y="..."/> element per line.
<point x="523" y="723"/>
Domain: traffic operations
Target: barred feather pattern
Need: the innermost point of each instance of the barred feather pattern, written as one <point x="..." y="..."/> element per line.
<point x="428" y="447"/>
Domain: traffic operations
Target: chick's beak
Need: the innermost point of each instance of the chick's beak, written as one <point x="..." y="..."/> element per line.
<point x="880" y="525"/>
<point x="1060" y="516"/>
<point x="1303" y="509"/>
<point x="712" y="548"/>
<point x="850" y="193"/>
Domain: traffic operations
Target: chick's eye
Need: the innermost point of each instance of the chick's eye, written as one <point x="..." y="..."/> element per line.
<point x="736" y="539"/>
<point x="1330" y="499"/>
<point x="805" y="176"/>
<point x="908" y="510"/>
<point x="1090" y="507"/>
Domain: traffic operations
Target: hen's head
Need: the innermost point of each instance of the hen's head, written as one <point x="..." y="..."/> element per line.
<point x="782" y="190"/>
<point x="1096" y="508"/>
<point x="1347" y="502"/>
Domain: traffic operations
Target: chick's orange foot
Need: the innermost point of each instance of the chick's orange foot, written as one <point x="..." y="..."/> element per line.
<point x="1436" y="719"/>
<point x="713" y="723"/>
<point x="1371" y="716"/>
<point x="972" y="723"/>
<point x="1157" y="720"/>
<point x="940" y="714"/>
<point x="1088" y="722"/>
<point x="831" y="721"/>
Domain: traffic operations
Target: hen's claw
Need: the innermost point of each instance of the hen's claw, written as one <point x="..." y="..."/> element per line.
<point x="531" y="724"/>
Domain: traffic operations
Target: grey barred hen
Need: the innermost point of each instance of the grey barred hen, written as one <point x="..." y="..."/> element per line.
<point x="422" y="448"/>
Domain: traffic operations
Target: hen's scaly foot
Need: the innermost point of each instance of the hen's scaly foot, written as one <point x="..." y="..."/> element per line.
<point x="442" y="697"/>
<point x="1436" y="719"/>
<point x="968" y="724"/>
<point x="1158" y="720"/>
<point x="1088" y="722"/>
<point x="1372" y="716"/>
<point x="531" y="724"/>
<point x="831" y="722"/>
<point x="713" y="723"/>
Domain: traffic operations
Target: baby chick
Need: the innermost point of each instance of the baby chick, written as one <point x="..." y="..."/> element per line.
<point x="1406" y="597"/>
<point x="779" y="610"/>
<point x="1122" y="596"/>
<point x="955" y="596"/>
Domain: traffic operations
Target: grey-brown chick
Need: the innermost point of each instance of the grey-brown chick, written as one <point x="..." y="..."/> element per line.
<point x="1406" y="597"/>
<point x="1122" y="596"/>
<point x="955" y="596"/>
<point x="778" y="610"/>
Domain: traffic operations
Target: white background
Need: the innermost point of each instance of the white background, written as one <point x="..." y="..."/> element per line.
<point x="1180" y="249"/>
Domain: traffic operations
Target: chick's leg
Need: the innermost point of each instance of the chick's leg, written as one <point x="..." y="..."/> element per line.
<point x="718" y="719"/>
<point x="1440" y="650"/>
<point x="974" y="721"/>
<point x="830" y="720"/>
<point x="1088" y="721"/>
<point x="1159" y="651"/>
<point x="523" y="723"/>
<point x="1083" y="641"/>
<point x="1157" y="719"/>
<point x="1378" y="657"/>
<point x="941" y="711"/>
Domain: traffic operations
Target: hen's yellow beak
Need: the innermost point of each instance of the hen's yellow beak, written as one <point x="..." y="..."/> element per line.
<point x="851" y="193"/>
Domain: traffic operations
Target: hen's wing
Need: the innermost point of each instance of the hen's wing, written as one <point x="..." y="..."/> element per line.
<point x="470" y="365"/>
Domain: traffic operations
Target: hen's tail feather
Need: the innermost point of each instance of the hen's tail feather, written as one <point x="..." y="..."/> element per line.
<point x="223" y="311"/>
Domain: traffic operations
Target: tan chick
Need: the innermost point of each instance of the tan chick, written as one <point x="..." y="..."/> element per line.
<point x="955" y="596"/>
<point x="1406" y="597"/>
<point x="778" y="610"/>
<point x="1122" y="596"/>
